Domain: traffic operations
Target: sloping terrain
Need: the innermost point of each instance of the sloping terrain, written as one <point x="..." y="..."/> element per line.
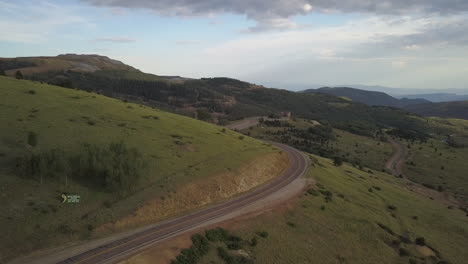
<point x="445" y="109"/>
<point x="348" y="216"/>
<point x="367" y="97"/>
<point x="222" y="99"/>
<point x="118" y="157"/>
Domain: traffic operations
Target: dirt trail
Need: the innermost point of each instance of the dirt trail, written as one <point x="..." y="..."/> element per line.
<point x="395" y="164"/>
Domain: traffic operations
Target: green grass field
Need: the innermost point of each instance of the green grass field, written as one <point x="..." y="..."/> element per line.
<point x="439" y="166"/>
<point x="370" y="218"/>
<point x="177" y="150"/>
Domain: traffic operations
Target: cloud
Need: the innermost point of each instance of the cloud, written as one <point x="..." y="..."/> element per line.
<point x="115" y="39"/>
<point x="36" y="23"/>
<point x="274" y="14"/>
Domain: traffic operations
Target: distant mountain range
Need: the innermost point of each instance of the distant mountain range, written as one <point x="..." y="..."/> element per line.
<point x="223" y="99"/>
<point x="457" y="109"/>
<point x="438" y="97"/>
<point x="368" y="97"/>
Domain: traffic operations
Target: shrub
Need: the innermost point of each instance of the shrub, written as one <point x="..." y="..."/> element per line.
<point x="19" y="75"/>
<point x="403" y="252"/>
<point x="253" y="242"/>
<point x="241" y="137"/>
<point x="32" y="139"/>
<point x="263" y="234"/>
<point x="31" y="92"/>
<point x="200" y="247"/>
<point x="313" y="192"/>
<point x="218" y="234"/>
<point x="337" y="161"/>
<point x="391" y="207"/>
<point x="420" y="241"/>
<point x="291" y="224"/>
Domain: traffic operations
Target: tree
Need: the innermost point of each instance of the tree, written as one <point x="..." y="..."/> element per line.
<point x="2" y="72"/>
<point x="19" y="75"/>
<point x="337" y="161"/>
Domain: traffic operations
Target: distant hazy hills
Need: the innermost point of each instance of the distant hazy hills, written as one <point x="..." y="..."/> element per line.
<point x="455" y="109"/>
<point x="368" y="97"/>
<point x="438" y="97"/>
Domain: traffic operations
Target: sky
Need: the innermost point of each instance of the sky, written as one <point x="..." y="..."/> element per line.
<point x="292" y="44"/>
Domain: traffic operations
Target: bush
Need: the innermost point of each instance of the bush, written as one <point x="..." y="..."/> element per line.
<point x="313" y="192"/>
<point x="200" y="247"/>
<point x="337" y="161"/>
<point x="263" y="234"/>
<point x="32" y="139"/>
<point x="19" y="75"/>
<point x="420" y="241"/>
<point x="403" y="252"/>
<point x="253" y="242"/>
<point x="218" y="234"/>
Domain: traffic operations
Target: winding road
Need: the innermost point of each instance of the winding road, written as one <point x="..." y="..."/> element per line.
<point x="124" y="247"/>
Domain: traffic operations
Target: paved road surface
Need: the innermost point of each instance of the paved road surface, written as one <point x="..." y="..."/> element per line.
<point x="123" y="248"/>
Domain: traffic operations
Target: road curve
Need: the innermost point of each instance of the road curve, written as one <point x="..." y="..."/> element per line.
<point x="132" y="244"/>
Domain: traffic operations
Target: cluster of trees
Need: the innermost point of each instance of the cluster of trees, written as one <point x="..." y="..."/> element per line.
<point x="114" y="167"/>
<point x="314" y="140"/>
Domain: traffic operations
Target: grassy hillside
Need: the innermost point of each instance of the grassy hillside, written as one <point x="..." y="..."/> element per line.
<point x="348" y="216"/>
<point x="113" y="154"/>
<point x="370" y="218"/>
<point x="440" y="163"/>
<point x="444" y="109"/>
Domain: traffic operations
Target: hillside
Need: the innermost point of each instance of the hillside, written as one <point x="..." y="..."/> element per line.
<point x="130" y="164"/>
<point x="367" y="97"/>
<point x="219" y="100"/>
<point x="348" y="216"/>
<point x="457" y="109"/>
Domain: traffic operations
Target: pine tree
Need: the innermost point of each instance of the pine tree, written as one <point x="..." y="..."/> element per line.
<point x="19" y="75"/>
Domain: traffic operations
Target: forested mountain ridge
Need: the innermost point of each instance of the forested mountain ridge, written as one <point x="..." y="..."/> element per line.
<point x="367" y="97"/>
<point x="214" y="99"/>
